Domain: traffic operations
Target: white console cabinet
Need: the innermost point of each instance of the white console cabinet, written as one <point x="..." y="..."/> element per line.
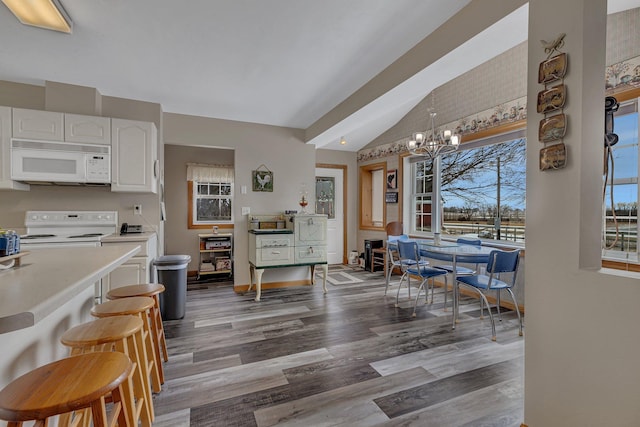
<point x="137" y="269"/>
<point x="302" y="243"/>
<point x="134" y="156"/>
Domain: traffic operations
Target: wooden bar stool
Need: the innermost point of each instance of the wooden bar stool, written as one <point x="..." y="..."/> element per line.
<point x="141" y="307"/>
<point x="123" y="334"/>
<point x="152" y="290"/>
<point x="67" y="385"/>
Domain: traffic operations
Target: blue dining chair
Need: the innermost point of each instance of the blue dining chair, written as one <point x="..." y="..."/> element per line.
<point x="393" y="257"/>
<point x="499" y="263"/>
<point x="410" y="255"/>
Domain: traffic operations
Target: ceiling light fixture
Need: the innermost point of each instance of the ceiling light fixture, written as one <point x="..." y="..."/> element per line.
<point x="433" y="144"/>
<point x="48" y="14"/>
<point x="343" y="141"/>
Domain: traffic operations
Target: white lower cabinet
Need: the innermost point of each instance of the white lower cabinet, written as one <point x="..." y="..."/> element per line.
<point x="131" y="272"/>
<point x="137" y="269"/>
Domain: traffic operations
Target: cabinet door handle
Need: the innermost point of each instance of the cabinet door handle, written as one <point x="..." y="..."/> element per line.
<point x="275" y="252"/>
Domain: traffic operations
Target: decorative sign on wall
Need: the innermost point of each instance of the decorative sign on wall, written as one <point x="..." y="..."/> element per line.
<point x="391" y="197"/>
<point x="262" y="179"/>
<point x="392" y="179"/>
<point x="551" y="102"/>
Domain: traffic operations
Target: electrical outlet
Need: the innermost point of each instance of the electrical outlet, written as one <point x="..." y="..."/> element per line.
<point x="137" y="209"/>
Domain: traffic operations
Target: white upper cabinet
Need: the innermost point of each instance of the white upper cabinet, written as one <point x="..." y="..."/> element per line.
<point x="5" y="153"/>
<point x="36" y="124"/>
<point x="87" y="129"/>
<point x="53" y="126"/>
<point x="134" y="164"/>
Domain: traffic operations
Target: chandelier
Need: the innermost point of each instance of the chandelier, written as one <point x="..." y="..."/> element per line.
<point x="433" y="144"/>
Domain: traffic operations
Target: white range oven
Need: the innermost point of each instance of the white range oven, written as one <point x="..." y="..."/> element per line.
<point x="55" y="229"/>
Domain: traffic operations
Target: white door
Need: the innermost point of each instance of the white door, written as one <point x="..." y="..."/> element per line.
<point x="329" y="200"/>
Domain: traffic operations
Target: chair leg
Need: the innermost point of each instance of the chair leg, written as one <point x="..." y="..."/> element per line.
<point x="386" y="283"/>
<point x="498" y="299"/>
<point x="513" y="297"/>
<point x="399" y="287"/>
<point x="446" y="290"/>
<point x="433" y="285"/>
<point x="426" y="294"/>
<point x="493" y="325"/>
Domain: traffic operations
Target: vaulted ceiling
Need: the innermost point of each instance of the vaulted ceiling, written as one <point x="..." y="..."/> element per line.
<point x="332" y="67"/>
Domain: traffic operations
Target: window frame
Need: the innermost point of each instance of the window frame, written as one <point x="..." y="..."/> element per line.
<point x="366" y="196"/>
<point x="192" y="200"/>
<point x="499" y="134"/>
<point x="628" y="106"/>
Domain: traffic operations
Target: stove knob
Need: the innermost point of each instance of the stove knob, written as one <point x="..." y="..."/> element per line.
<point x="45" y="216"/>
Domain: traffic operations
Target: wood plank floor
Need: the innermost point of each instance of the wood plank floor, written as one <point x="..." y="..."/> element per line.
<point x="348" y="358"/>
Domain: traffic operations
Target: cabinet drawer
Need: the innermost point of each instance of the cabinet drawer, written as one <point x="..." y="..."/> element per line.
<point x="273" y="241"/>
<point x="306" y="254"/>
<point x="274" y="256"/>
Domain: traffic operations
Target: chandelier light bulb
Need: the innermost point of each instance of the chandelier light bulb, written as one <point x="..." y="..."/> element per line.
<point x="432" y="143"/>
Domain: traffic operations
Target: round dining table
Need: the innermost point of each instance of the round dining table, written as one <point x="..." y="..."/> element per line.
<point x="454" y="252"/>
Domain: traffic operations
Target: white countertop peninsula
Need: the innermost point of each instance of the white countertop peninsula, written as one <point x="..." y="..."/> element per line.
<point x="49" y="278"/>
<point x="50" y="292"/>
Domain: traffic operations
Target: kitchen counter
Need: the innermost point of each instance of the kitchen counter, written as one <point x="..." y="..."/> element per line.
<point x="132" y="237"/>
<point x="49" y="278"/>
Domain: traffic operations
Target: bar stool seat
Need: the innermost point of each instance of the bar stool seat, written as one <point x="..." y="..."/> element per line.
<point x="70" y="384"/>
<point x="122" y="334"/>
<point x="152" y="290"/>
<point x="141" y="307"/>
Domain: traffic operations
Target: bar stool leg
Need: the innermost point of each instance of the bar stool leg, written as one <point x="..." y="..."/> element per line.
<point x="156" y="323"/>
<point x="154" y="364"/>
<point x="140" y="385"/>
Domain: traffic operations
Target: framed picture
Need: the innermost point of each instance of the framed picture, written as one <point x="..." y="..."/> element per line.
<point x="391" y="197"/>
<point x="554" y="157"/>
<point x="552" y="99"/>
<point x="552" y="69"/>
<point x="392" y="179"/>
<point x="262" y="179"/>
<point x="552" y="128"/>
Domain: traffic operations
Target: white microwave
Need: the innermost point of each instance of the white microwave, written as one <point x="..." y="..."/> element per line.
<point x="60" y="162"/>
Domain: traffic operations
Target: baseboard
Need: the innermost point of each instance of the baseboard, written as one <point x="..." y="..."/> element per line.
<point x="240" y="289"/>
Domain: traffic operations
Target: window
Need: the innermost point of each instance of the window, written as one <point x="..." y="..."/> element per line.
<point x="372" y="189"/>
<point x="422" y="192"/>
<point x="621" y="223"/>
<point x="481" y="190"/>
<point x="212" y="202"/>
<point x="210" y="195"/>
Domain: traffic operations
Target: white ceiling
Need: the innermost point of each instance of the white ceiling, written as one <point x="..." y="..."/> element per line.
<point x="277" y="62"/>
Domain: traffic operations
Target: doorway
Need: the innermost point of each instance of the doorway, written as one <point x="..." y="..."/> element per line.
<point x="330" y="195"/>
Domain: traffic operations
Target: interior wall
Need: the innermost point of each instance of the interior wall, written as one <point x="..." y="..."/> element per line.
<point x="281" y="150"/>
<point x="581" y="364"/>
<point x="178" y="237"/>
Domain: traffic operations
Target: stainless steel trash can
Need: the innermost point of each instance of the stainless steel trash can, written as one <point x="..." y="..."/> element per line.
<point x="172" y="273"/>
